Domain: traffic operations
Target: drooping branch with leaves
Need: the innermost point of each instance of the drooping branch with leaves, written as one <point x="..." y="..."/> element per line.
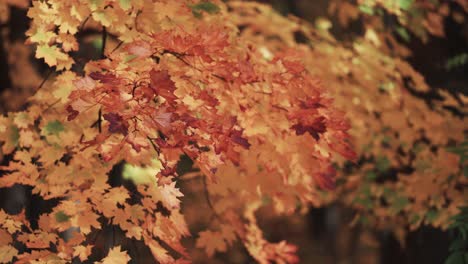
<point x="179" y="80"/>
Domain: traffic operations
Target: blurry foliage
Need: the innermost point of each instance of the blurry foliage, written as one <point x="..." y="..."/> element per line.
<point x="459" y="247"/>
<point x="410" y="172"/>
<point x="457" y="61"/>
<point x="385" y="20"/>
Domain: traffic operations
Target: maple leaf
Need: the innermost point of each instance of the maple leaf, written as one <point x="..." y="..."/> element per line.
<point x="5" y="238"/>
<point x="169" y="194"/>
<point x="9" y="223"/>
<point x="86" y="220"/>
<point x="106" y="78"/>
<point x="286" y="252"/>
<point x="159" y="252"/>
<point x="61" y="217"/>
<point x="116" y="256"/>
<point x="178" y="219"/>
<point x="38" y="239"/>
<point x="117" y="195"/>
<point x="54" y="57"/>
<point x="163" y="118"/>
<point x="142" y="175"/>
<point x="211" y="241"/>
<point x="117" y="123"/>
<point x="86" y="83"/>
<point x="53" y="127"/>
<point x="141" y="49"/>
<point x="82" y="252"/>
<point x="7" y="253"/>
<point x="23" y="119"/>
<point x="162" y="84"/>
<point x="316" y="128"/>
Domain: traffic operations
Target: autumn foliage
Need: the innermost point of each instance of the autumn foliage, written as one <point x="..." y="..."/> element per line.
<point x="262" y="117"/>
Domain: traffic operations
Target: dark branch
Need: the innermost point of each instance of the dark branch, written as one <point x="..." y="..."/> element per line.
<point x="104" y="40"/>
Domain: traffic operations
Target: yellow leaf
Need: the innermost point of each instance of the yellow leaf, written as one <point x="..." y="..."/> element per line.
<point x="7" y="253"/>
<point x="82" y="252"/>
<point x="159" y="252"/>
<point x="42" y="36"/>
<point x="53" y="56"/>
<point x="116" y="256"/>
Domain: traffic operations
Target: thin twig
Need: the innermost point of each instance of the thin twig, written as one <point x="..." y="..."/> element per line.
<point x="154" y="145"/>
<point x="52" y="105"/>
<point x="45" y="79"/>
<point x="180" y="57"/>
<point x="116" y="47"/>
<point x="104" y="40"/>
<point x="100" y="120"/>
<point x="84" y="22"/>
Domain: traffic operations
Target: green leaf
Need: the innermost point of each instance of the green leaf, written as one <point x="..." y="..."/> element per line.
<point x="405" y="4"/>
<point x="457" y="61"/>
<point x="403" y="33"/>
<point x="54" y="128"/>
<point x="206" y="6"/>
<point x="366" y="9"/>
<point x="142" y="175"/>
<point x="61" y="217"/>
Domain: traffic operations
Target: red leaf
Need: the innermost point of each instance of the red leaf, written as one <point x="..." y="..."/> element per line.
<point x="107" y="78"/>
<point x="162" y="84"/>
<point x="72" y="113"/>
<point x="117" y="124"/>
<point x="315" y="129"/>
<point x="325" y="179"/>
<point x="236" y="137"/>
